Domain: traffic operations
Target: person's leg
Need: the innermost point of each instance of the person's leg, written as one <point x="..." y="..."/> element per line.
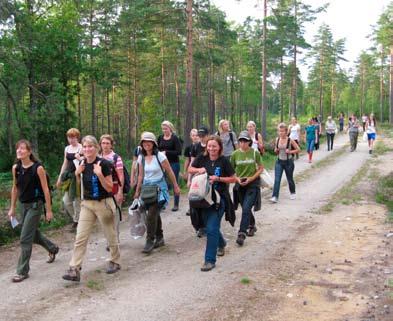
<point x="176" y="170"/>
<point x="351" y="140"/>
<point x="355" y="139"/>
<point x="332" y="141"/>
<point x="214" y="236"/>
<point x="289" y="168"/>
<point x="77" y="208"/>
<point x="249" y="196"/>
<point x="278" y="170"/>
<point x="106" y="214"/>
<point x="69" y="206"/>
<point x="87" y="219"/>
<point x="297" y="154"/>
<point x="151" y="222"/>
<point x="328" y="137"/>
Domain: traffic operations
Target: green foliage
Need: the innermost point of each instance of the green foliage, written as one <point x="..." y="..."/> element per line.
<point x="384" y="193"/>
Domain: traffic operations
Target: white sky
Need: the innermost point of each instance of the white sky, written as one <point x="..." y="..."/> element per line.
<point x="350" y="19"/>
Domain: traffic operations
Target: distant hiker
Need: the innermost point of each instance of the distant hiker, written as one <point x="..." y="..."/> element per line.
<point x="364" y="120"/>
<point x="106" y="146"/>
<point x="318" y="127"/>
<point x="311" y="138"/>
<point x="371" y="130"/>
<point x="341" y="121"/>
<point x="353" y="129"/>
<point x="30" y="186"/>
<point x="228" y="137"/>
<point x="330" y="128"/>
<point x="257" y="140"/>
<point x="294" y="132"/>
<point x="221" y="174"/>
<point x="247" y="163"/>
<point x="285" y="148"/>
<point x="152" y="189"/>
<point x="170" y="145"/>
<point x="95" y="176"/>
<point x="67" y="180"/>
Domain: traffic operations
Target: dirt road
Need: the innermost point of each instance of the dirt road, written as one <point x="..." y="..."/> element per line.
<point x="293" y="247"/>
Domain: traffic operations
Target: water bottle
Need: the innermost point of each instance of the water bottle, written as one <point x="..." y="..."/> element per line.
<point x="94" y="183"/>
<point x="217" y="172"/>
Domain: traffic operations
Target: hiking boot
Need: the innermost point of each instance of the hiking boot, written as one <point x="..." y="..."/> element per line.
<point x="52" y="255"/>
<point x="149" y="246"/>
<point x="175" y="208"/>
<point x="201" y="232"/>
<point x="221" y="251"/>
<point x="251" y="231"/>
<point x="74" y="227"/>
<point x="159" y="242"/>
<point x="274" y="199"/>
<point x="292" y="196"/>
<point x="240" y="239"/>
<point x="112" y="267"/>
<point x="19" y="278"/>
<point x="72" y="274"/>
<point x="207" y="266"/>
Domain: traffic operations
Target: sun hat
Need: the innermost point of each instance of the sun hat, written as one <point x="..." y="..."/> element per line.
<point x="148" y="137"/>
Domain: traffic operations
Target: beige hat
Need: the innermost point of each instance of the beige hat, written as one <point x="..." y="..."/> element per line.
<point x="148" y="136"/>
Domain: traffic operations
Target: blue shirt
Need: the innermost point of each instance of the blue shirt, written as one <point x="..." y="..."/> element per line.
<point x="310" y="132"/>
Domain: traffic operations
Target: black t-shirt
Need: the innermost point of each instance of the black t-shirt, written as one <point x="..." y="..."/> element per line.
<point x="28" y="183"/>
<point x="220" y="167"/>
<point x="92" y="192"/>
<point x="187" y="151"/>
<point x="172" y="148"/>
<point x="197" y="149"/>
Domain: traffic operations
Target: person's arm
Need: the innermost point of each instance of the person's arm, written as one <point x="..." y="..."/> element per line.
<point x="260" y="141"/>
<point x="134" y="167"/>
<point x="62" y="169"/>
<point x="140" y="180"/>
<point x="120" y="174"/>
<point x="14" y="194"/>
<point x="167" y="167"/>
<point x="45" y="188"/>
<point x="295" y="147"/>
<point x="227" y="180"/>
<point x="106" y="181"/>
<point x="316" y="135"/>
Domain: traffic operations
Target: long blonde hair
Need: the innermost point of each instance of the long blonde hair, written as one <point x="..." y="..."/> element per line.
<point x="222" y="121"/>
<point x="167" y="123"/>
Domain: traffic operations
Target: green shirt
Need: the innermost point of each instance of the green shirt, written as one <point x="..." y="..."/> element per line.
<point x="246" y="163"/>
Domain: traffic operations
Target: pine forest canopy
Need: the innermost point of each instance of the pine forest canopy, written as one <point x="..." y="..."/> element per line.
<point x="124" y="66"/>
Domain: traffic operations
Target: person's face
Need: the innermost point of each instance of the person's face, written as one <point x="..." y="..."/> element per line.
<point x="202" y="138"/>
<point x="194" y="137"/>
<point x="282" y="132"/>
<point x="72" y="140"/>
<point x="225" y="126"/>
<point x="250" y="128"/>
<point x="213" y="148"/>
<point x="310" y="122"/>
<point x="293" y="120"/>
<point x="22" y="152"/>
<point x="166" y="130"/>
<point x="244" y="144"/>
<point x="106" y="145"/>
<point x="147" y="145"/>
<point x="89" y="150"/>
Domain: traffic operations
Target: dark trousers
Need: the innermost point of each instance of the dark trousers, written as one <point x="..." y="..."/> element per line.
<point x="330" y="139"/>
<point x="341" y="127"/>
<point x="31" y="215"/>
<point x="249" y="195"/>
<point x="153" y="222"/>
<point x="353" y="138"/>
<point x="288" y="167"/>
<point x="176" y="170"/>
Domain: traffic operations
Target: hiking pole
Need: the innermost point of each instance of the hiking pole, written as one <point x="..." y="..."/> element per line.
<point x="81" y="176"/>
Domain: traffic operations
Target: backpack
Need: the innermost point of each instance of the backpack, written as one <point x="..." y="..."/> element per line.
<point x="201" y="193"/>
<point x="289" y="146"/>
<point x="127" y="185"/>
<point x="39" y="192"/>
<point x="230" y="137"/>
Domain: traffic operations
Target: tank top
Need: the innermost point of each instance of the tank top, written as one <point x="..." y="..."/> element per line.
<point x="28" y="183"/>
<point x="282" y="154"/>
<point x="254" y="141"/>
<point x="294" y="133"/>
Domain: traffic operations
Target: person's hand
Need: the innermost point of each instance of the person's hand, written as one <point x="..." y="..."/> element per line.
<point x="48" y="216"/>
<point x="11" y="213"/>
<point x="176" y="190"/>
<point x="201" y="170"/>
<point x="213" y="179"/>
<point x="79" y="170"/>
<point x="97" y="169"/>
<point x="288" y="151"/>
<point x="78" y="156"/>
<point x="58" y="183"/>
<point x="245" y="182"/>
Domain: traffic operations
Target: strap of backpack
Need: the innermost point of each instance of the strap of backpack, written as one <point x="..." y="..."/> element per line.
<point x="115" y="158"/>
<point x="231" y="137"/>
<point x="289" y="147"/>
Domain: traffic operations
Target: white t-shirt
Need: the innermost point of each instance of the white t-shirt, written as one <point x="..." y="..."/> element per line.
<point x="371" y="128"/>
<point x="153" y="170"/>
<point x="294" y="132"/>
<point x="330" y="127"/>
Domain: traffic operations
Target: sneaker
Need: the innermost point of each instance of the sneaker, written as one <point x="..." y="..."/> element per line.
<point x="159" y="242"/>
<point x="52" y="255"/>
<point x="292" y="196"/>
<point x="112" y="267"/>
<point x="207" y="266"/>
<point x="149" y="246"/>
<point x="221" y="251"/>
<point x="175" y="208"/>
<point x="252" y="230"/>
<point x="274" y="199"/>
<point x="72" y="274"/>
<point x="240" y="239"/>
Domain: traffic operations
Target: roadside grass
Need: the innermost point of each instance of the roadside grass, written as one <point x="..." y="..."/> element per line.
<point x="381" y="148"/>
<point x="384" y="194"/>
<point x="245" y="280"/>
<point x="389" y="284"/>
<point x="95" y="285"/>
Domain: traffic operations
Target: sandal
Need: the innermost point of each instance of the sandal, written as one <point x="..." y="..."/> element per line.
<point x="19" y="278"/>
<point x="52" y="255"/>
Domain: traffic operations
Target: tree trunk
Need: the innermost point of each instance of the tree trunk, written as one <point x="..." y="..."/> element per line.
<point x="391" y="85"/>
<point x="198" y="97"/>
<point x="129" y="108"/>
<point x="321" y="89"/>
<point x="189" y="109"/>
<point x="264" y="73"/>
<point x="381" y="83"/>
<point x="108" y="111"/>
<point x="294" y="74"/>
<point x="78" y="99"/>
<point x="93" y="108"/>
<point x="164" y="111"/>
<point x="281" y="89"/>
<point x="178" y="104"/>
<point x="362" y="89"/>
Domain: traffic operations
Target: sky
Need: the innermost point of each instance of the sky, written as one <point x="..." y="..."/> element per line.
<point x="349" y="19"/>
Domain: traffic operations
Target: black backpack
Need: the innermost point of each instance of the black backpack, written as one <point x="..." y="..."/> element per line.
<point x="39" y="192"/>
<point x="127" y="185"/>
<point x="289" y="146"/>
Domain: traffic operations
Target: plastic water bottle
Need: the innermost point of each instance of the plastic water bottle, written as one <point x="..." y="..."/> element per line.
<point x="217" y="172"/>
<point x="94" y="183"/>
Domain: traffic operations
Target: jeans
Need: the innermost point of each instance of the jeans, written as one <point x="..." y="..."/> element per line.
<point x="215" y="240"/>
<point x="176" y="170"/>
<point x="341" y="127"/>
<point x="330" y="139"/>
<point x="31" y="214"/>
<point x="249" y="198"/>
<point x="310" y="145"/>
<point x="353" y="138"/>
<point x="284" y="165"/>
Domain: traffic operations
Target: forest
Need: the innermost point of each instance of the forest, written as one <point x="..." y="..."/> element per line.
<point x="123" y="66"/>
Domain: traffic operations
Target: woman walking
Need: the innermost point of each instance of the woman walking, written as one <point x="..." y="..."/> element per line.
<point x="341" y="121"/>
<point x="72" y="157"/>
<point x="247" y="164"/>
<point x="30" y="186"/>
<point x="188" y="156"/>
<point x="330" y="128"/>
<point x="353" y="129"/>
<point x="285" y="149"/>
<point x="294" y="132"/>
<point x="371" y="130"/>
<point x="318" y="127"/>
<point x="228" y="137"/>
<point x="311" y="138"/>
<point x="169" y="144"/>
<point x="257" y="140"/>
<point x="221" y="174"/>
<point x="152" y="188"/>
<point x="97" y="203"/>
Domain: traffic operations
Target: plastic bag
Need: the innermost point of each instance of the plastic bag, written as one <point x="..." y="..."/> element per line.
<point x="266" y="180"/>
<point x="137" y="220"/>
<point x="365" y="137"/>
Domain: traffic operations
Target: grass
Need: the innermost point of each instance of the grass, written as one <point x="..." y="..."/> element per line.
<point x="245" y="280"/>
<point x="384" y="193"/>
<point x="95" y="285"/>
<point x="381" y="148"/>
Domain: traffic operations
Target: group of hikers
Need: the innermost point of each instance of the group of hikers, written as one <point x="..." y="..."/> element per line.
<point x="95" y="180"/>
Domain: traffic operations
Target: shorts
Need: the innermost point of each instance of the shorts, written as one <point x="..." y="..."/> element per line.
<point x="371" y="136"/>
